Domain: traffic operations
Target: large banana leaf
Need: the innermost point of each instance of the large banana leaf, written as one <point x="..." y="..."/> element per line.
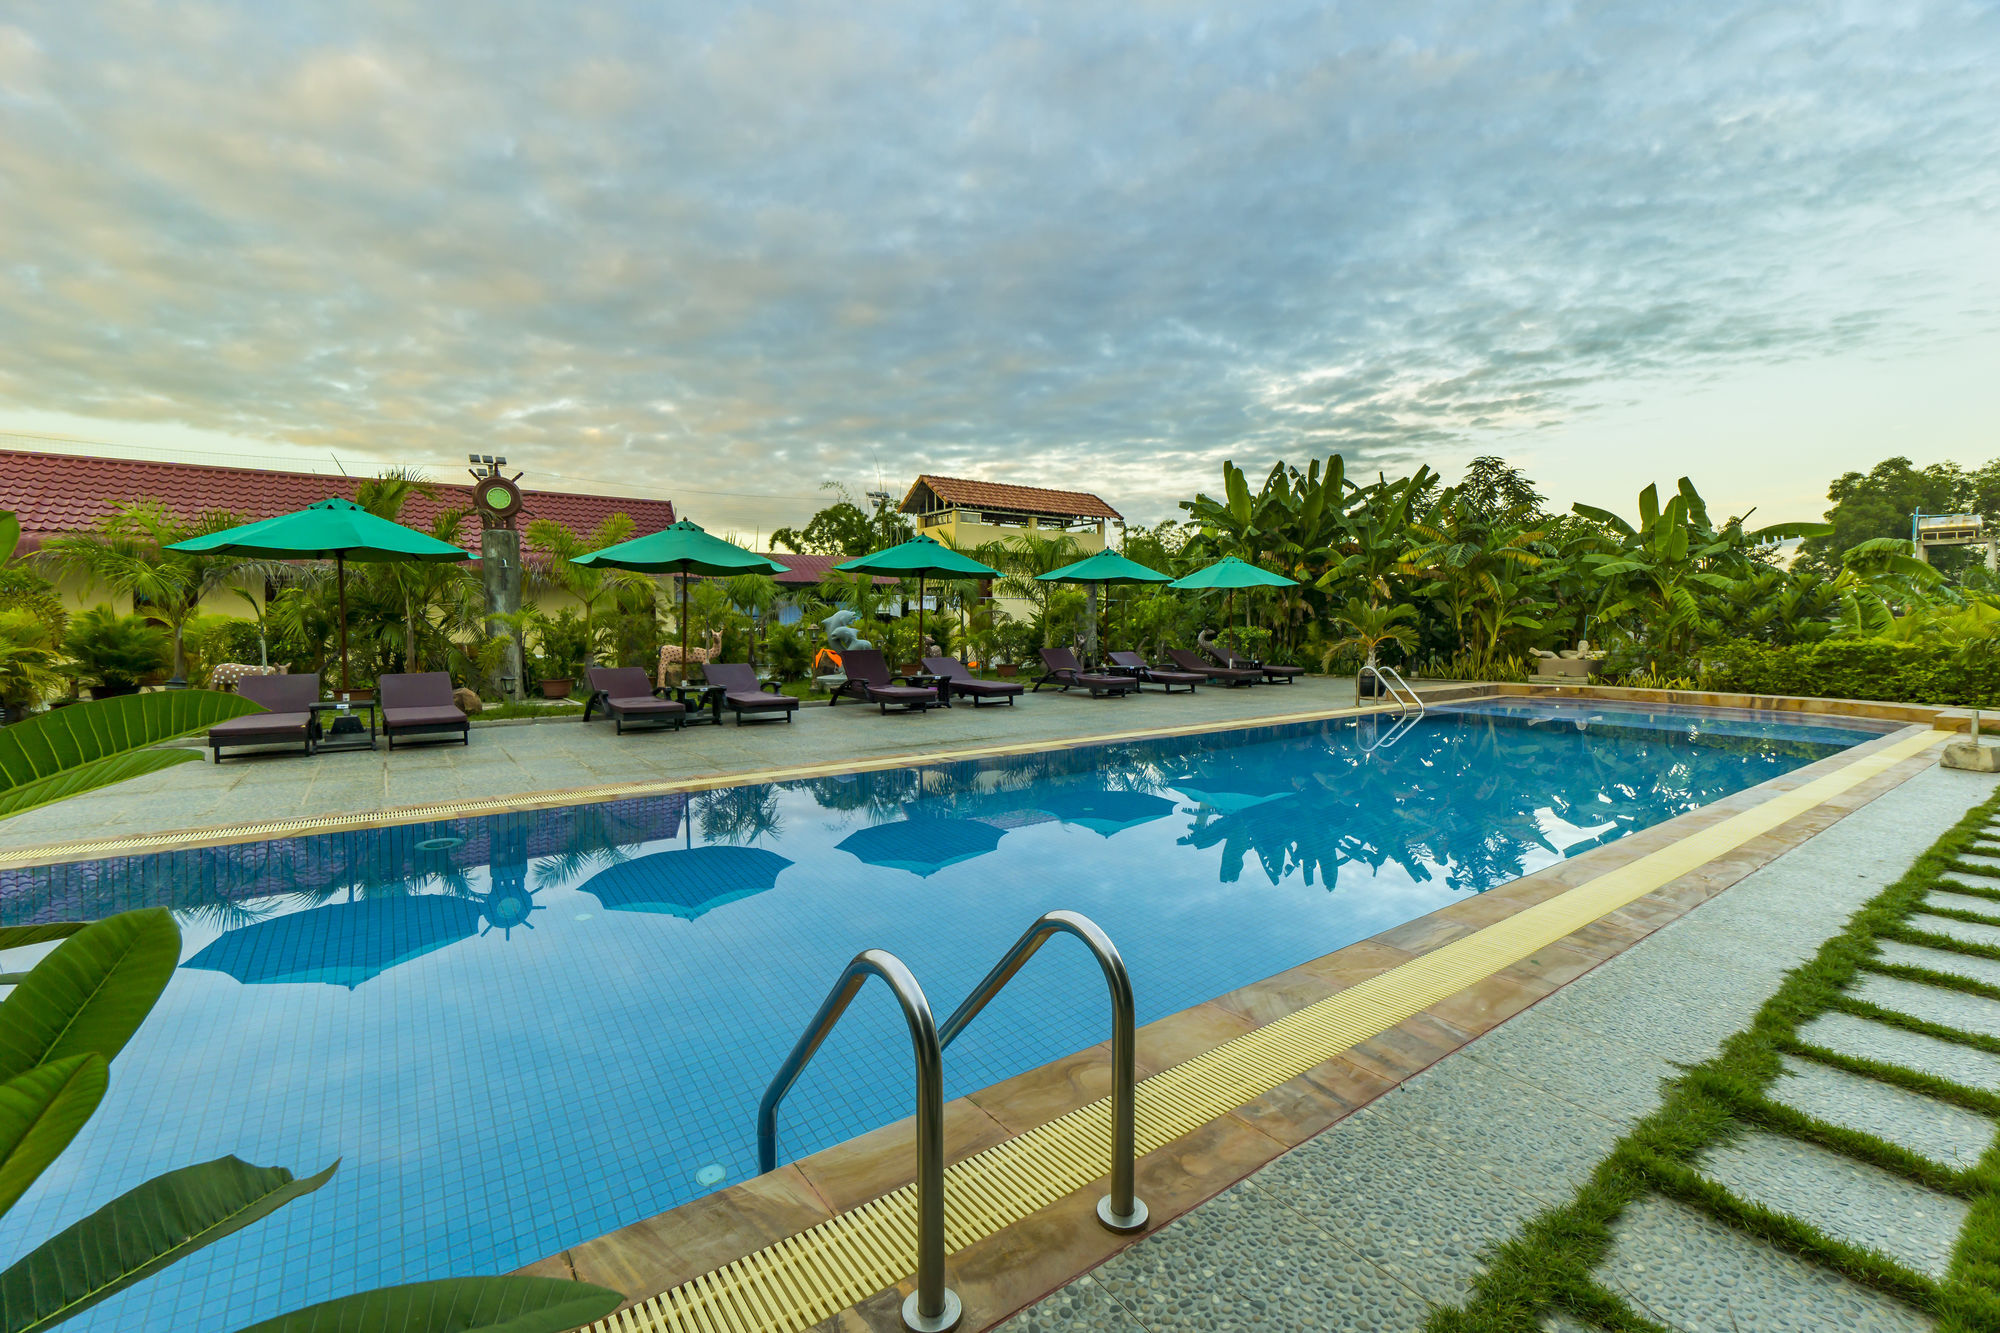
<point x="20" y="937"/>
<point x="64" y="739"/>
<point x="140" y="1232"/>
<point x="40" y="1112"/>
<point x="91" y="992"/>
<point x="455" y="1305"/>
<point x="88" y="777"/>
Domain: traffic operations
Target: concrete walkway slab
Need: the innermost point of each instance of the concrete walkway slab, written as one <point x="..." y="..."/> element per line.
<point x="1949" y="1135"/>
<point x="1932" y="1004"/>
<point x="1969" y="966"/>
<point x="1864" y="1039"/>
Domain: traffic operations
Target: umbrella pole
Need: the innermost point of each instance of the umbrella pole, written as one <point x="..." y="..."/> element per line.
<point x="684" y="624"/>
<point x="920" y="617"/>
<point x="340" y="580"/>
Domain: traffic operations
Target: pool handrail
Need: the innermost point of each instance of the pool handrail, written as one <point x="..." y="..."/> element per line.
<point x="933" y="1307"/>
<point x="1120" y="1210"/>
<point x="1391" y="681"/>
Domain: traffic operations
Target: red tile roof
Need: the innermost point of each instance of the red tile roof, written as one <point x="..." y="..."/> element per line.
<point x="807" y="569"/>
<point x="64" y="492"/>
<point x="957" y="491"/>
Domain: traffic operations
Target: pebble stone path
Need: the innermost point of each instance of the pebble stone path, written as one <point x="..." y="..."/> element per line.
<point x="1372" y="1224"/>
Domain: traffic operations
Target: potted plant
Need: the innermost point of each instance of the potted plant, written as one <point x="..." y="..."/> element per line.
<point x="116" y="654"/>
<point x="560" y="643"/>
<point x="1368" y="628"/>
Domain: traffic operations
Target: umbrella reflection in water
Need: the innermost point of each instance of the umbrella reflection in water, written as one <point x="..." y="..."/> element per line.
<point x="343" y="944"/>
<point x="922" y="846"/>
<point x="686" y="882"/>
<point x="1105" y="812"/>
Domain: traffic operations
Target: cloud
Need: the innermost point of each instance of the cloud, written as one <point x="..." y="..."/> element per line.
<point x="748" y="247"/>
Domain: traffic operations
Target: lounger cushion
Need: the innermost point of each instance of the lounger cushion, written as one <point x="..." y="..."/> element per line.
<point x="646" y="703"/>
<point x="899" y="693"/>
<point x="431" y="716"/>
<point x="971" y="685"/>
<point x="759" y="700"/>
<point x="261" y="724"/>
<point x="1097" y="682"/>
<point x="1175" y="677"/>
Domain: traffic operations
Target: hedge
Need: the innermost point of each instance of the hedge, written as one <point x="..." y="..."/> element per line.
<point x="1858" y="669"/>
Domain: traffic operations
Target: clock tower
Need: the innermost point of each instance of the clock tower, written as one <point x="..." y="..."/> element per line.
<point x="497" y="498"/>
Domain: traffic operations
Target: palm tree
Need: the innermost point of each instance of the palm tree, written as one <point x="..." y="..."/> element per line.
<point x="421" y="587"/>
<point x="590" y="585"/>
<point x="1368" y="628"/>
<point x="127" y="553"/>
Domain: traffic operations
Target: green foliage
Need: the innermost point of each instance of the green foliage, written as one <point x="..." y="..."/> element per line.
<point x="455" y="1305"/>
<point x="787" y="651"/>
<point x="86" y="745"/>
<point x="1368" y="629"/>
<point x="1879" y="503"/>
<point x="1850" y="668"/>
<point x="561" y="644"/>
<point x="61" y="1025"/>
<point x="109" y="649"/>
<point x="845" y="529"/>
<point x="141" y="1232"/>
<point x="595" y="588"/>
<point x="28" y="659"/>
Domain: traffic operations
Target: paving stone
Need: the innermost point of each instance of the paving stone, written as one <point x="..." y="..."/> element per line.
<point x="1970" y="966"/>
<point x="1949" y="1135"/>
<point x="1562" y="1323"/>
<point x="1868" y="1040"/>
<point x="1970" y="932"/>
<point x="1967" y="879"/>
<point x="1612" y="1078"/>
<point x="1963" y="902"/>
<point x="1853" y="1201"/>
<point x="1506" y="1125"/>
<point x="1243" y="1262"/>
<point x="1646" y="1005"/>
<point x="1933" y="1004"/>
<point x="1084" y="1306"/>
<point x="1683" y="1268"/>
<point x="1420" y="1212"/>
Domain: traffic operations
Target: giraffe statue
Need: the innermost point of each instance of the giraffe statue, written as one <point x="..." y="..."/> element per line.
<point x="672" y="663"/>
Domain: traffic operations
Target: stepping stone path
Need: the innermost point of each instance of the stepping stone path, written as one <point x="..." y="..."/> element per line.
<point x="1687" y="1269"/>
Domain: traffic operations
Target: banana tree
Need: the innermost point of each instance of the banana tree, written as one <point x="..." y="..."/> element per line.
<point x="589" y="584"/>
<point x="1675" y="553"/>
<point x="1472" y="561"/>
<point x="65" y="1021"/>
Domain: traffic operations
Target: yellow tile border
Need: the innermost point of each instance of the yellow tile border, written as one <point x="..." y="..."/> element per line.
<point x="788" y="1286"/>
<point x="225" y="834"/>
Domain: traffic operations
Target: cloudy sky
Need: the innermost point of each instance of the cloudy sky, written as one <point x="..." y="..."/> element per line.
<point x="726" y="252"/>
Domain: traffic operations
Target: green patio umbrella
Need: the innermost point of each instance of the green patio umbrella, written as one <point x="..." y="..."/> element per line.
<point x="1229" y="572"/>
<point x="682" y="548"/>
<point x="1104" y="568"/>
<point x="920" y="557"/>
<point x="336" y="530"/>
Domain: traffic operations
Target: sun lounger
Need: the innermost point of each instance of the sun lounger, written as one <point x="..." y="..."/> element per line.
<point x="1287" y="674"/>
<point x="743" y="693"/>
<point x="1135" y="666"/>
<point x="869" y="680"/>
<point x="1062" y="668"/>
<point x="626" y="695"/>
<point x="1221" y="675"/>
<point x="969" y="686"/>
<point x="419" y="704"/>
<point x="289" y="721"/>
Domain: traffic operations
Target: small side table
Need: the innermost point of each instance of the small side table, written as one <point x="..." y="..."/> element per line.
<point x="698" y="698"/>
<point x="925" y="680"/>
<point x="331" y="737"/>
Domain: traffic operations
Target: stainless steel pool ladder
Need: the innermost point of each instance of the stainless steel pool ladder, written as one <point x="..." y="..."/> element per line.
<point x="934" y="1307"/>
<point x="1407" y="700"/>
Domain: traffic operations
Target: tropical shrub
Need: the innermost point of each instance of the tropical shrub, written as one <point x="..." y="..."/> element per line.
<point x="561" y="643"/>
<point x="1856" y="669"/>
<point x="66" y="1020"/>
<point x="108" y="649"/>
<point x="787" y="651"/>
<point x="28" y="660"/>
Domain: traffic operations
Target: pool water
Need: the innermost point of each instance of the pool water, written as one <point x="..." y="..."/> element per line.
<point x="519" y="1032"/>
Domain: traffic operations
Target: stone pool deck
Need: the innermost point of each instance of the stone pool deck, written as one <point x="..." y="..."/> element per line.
<point x="534" y="757"/>
<point x="1380" y="1219"/>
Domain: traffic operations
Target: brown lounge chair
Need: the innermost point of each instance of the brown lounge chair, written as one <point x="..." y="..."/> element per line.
<point x="869" y="680"/>
<point x="1064" y="669"/>
<point x="624" y="694"/>
<point x="1287" y="674"/>
<point x="419" y="704"/>
<point x="1221" y="675"/>
<point x="743" y="693"/>
<point x="1135" y="666"/>
<point x="964" y="683"/>
<point x="289" y="721"/>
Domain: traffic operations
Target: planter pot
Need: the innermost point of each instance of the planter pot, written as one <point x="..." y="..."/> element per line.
<point x="112" y="691"/>
<point x="1370" y="687"/>
<point x="911" y="669"/>
<point x="354" y="696"/>
<point x="558" y="688"/>
<point x="1009" y="669"/>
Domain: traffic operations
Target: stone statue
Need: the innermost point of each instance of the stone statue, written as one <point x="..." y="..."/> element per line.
<point x="840" y="634"/>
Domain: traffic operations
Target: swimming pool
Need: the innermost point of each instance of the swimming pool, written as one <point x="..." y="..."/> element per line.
<point x="521" y="1031"/>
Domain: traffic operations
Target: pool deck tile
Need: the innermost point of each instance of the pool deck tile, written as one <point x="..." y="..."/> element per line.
<point x="870" y="1165"/>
